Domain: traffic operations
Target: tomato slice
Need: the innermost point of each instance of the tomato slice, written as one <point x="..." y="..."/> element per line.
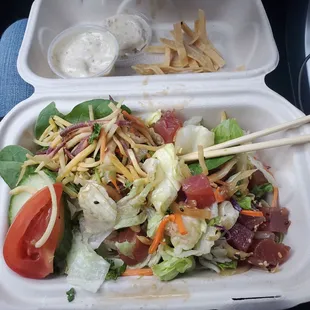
<point x="167" y="126"/>
<point x="27" y="228"/>
<point x="198" y="188"/>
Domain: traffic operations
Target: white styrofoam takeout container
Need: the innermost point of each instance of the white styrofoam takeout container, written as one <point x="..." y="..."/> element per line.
<point x="241" y="32"/>
<point x="255" y="109"/>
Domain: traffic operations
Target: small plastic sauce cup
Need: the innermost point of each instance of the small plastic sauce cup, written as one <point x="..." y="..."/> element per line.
<point x="67" y="36"/>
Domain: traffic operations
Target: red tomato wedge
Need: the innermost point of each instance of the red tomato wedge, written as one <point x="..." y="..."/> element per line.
<point x="167" y="126"/>
<point x="198" y="188"/>
<point x="19" y="251"/>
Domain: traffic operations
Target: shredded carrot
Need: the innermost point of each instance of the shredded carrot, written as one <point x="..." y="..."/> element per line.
<point x="221" y="182"/>
<point x="252" y="213"/>
<point x="181" y="226"/>
<point x="133" y="119"/>
<point x="160" y="233"/>
<point x="113" y="181"/>
<point x="138" y="272"/>
<point x="275" y="198"/>
<point x="219" y="195"/>
<point x="103" y="140"/>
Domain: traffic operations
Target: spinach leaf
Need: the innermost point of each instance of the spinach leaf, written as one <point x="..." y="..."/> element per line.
<point x="14" y="153"/>
<point x="51" y="174"/>
<point x="212" y="164"/>
<point x="95" y="134"/>
<point x="65" y="243"/>
<point x="80" y="113"/>
<point x="12" y="158"/>
<point x="227" y="130"/>
<point x="43" y="120"/>
<point x="229" y="265"/>
<point x="116" y="269"/>
<point x="71" y="294"/>
<point x="9" y="172"/>
<point x="245" y="203"/>
<point x="260" y="190"/>
<point x="125" y="108"/>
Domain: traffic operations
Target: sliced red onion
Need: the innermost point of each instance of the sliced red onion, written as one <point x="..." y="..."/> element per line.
<point x="259" y="235"/>
<point x="81" y="146"/>
<point x="112" y="100"/>
<point x="235" y="204"/>
<point x="56" y="150"/>
<point x="41" y="152"/>
<point x="71" y="128"/>
<point x="68" y="153"/>
<point x="123" y="123"/>
<point x="49" y="151"/>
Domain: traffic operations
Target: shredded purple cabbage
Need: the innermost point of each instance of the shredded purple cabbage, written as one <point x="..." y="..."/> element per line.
<point x="235" y="204"/>
<point x="226" y="232"/>
<point x="123" y="123"/>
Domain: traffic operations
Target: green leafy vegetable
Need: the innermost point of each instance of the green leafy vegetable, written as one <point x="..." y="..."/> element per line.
<point x="97" y="175"/>
<point x="14" y="153"/>
<point x="125" y="108"/>
<point x="65" y="243"/>
<point x="117" y="268"/>
<point x="129" y="207"/>
<point x="126" y="248"/>
<point x="260" y="190"/>
<point x="211" y="164"/>
<point x="71" y="294"/>
<point x="229" y="265"/>
<point x="128" y="184"/>
<point x="11" y="159"/>
<point x="279" y="237"/>
<point x="245" y="203"/>
<point x="227" y="130"/>
<point x="43" y="120"/>
<point x="86" y="268"/>
<point x="169" y="269"/>
<point x="80" y="113"/>
<point x="95" y="134"/>
<point x="238" y="193"/>
<point x="214" y="221"/>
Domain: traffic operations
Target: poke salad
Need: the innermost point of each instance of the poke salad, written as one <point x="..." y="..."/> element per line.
<point x="106" y="193"/>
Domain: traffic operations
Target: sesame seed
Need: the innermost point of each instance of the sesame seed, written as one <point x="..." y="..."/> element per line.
<point x="280" y="255"/>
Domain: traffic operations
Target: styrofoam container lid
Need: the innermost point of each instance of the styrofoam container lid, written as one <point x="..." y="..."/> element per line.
<point x="239" y="29"/>
<point x="255" y="109"/>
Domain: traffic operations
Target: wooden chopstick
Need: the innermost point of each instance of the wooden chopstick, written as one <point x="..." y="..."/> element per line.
<point x="262" y="133"/>
<point x="247" y="148"/>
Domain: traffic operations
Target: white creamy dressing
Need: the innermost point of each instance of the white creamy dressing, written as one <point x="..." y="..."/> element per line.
<point x="130" y="32"/>
<point x="85" y="54"/>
